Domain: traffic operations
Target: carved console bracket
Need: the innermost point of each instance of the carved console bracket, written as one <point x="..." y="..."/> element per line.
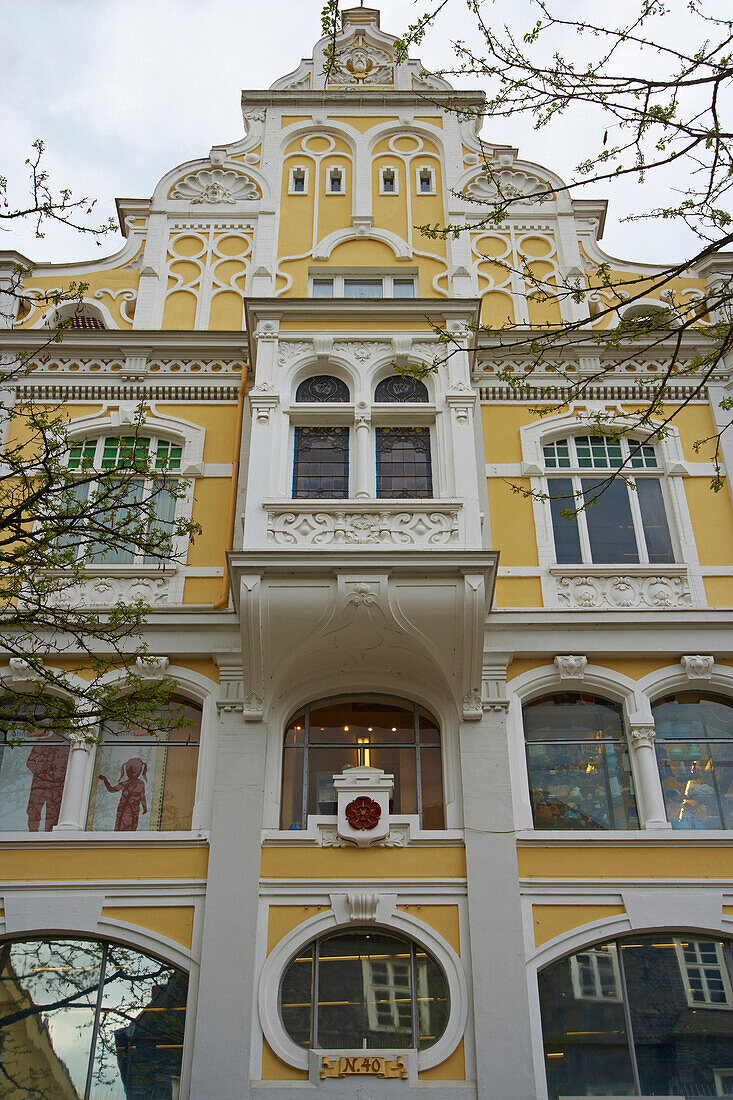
<point x="571" y="667"/>
<point x="697" y="667"/>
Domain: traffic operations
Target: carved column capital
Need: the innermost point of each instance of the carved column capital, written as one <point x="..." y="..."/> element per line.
<point x="642" y="737"/>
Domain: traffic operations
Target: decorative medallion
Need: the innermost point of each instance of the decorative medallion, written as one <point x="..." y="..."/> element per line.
<point x="215" y="187"/>
<point x="363" y="813"/>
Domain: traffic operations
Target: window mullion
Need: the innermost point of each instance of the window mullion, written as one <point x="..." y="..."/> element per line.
<point x="641" y="546"/>
<point x="97" y="1015"/>
<point x="627" y="1016"/>
<point x="585" y="550"/>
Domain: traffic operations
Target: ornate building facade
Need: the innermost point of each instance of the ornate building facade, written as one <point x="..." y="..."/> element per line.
<point x="502" y="867"/>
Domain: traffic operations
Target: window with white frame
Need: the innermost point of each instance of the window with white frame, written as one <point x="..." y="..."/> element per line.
<point x="117" y="503"/>
<point x="298" y="184"/>
<point x="595" y="974"/>
<point x="336" y="180"/>
<point x="601" y="519"/>
<point x="425" y="180"/>
<point x="388" y="180"/>
<point x="704" y="973"/>
<point x="378" y="285"/>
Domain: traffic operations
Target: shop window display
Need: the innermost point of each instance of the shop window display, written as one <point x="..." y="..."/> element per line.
<point x="694" y="744"/>
<point x="33" y="759"/>
<point x="578" y="763"/>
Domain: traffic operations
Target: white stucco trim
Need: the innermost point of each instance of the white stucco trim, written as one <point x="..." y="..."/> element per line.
<point x="674" y="678"/>
<point x="390" y="919"/>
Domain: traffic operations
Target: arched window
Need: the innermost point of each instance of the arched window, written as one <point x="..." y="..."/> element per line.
<point x="82" y="1018"/>
<point x="403" y="453"/>
<point x="321" y="461"/>
<point x="646" y="1015"/>
<point x="694" y="743"/>
<point x="146" y="778"/>
<point x="364" y="989"/>
<point x="33" y="759"/>
<point x="620" y="522"/>
<point x="76" y="315"/>
<point x="326" y="737"/>
<point x="578" y="763"/>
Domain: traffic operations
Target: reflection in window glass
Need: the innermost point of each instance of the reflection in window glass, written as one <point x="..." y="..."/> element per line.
<point x="578" y="762"/>
<point x="327" y="737"/>
<point x="32" y="772"/>
<point x="694" y="745"/>
<point x="371" y="990"/>
<point x="52" y="992"/>
<point x="663" y="1033"/>
<point x="145" y="779"/>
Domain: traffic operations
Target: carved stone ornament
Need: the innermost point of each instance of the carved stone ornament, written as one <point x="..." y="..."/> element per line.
<point x="263" y="400"/>
<point x="472" y="706"/>
<point x="215" y="186"/>
<point x="151" y="668"/>
<point x="363" y="813"/>
<point x="697" y="667"/>
<point x="362" y="905"/>
<point x="571" y="667"/>
<point x="363" y="795"/>
<point x="252" y="705"/>
<point x="107" y="591"/>
<point x="622" y="590"/>
<point x="362" y="63"/>
<point x="326" y="525"/>
<point x="642" y="737"/>
<point x="506" y="184"/>
<point x="22" y="673"/>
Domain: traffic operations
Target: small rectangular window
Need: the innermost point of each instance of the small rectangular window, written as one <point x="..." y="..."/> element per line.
<point x="362" y="288"/>
<point x="557" y="455"/>
<point x="298" y="180"/>
<point x="388" y="178"/>
<point x="425" y="184"/>
<point x="322" y="288"/>
<point x="598" y="452"/>
<point x="336" y="181"/>
<point x="403" y="288"/>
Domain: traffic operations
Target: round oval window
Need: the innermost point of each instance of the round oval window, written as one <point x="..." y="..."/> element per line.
<point x="364" y="990"/>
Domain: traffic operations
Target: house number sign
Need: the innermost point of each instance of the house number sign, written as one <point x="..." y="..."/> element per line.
<point x="376" y="1067"/>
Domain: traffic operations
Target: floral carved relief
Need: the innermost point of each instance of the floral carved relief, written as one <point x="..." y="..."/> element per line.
<point x="621" y="590"/>
<point x="326" y="527"/>
<point x="215" y="186"/>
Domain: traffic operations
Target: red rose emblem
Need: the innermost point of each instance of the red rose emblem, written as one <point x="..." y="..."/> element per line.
<point x="363" y="813"/>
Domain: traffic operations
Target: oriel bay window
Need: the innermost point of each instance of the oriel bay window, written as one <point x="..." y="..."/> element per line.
<point x="145" y="777"/>
<point x="321" y="458"/>
<point x="621" y="521"/>
<point x="83" y="1018"/>
<point x="659" y="1022"/>
<point x="364" y="989"/>
<point x="379" y="732"/>
<point x="578" y="764"/>
<point x="694" y="745"/>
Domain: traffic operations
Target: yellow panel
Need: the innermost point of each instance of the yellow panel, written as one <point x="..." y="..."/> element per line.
<point x="636" y="667"/>
<point x="599" y="861"/>
<point x="287" y="120"/>
<point x="220" y="423"/>
<point x="452" y="1069"/>
<point x="32" y="863"/>
<point x="518" y="592"/>
<point x="526" y="664"/>
<point x="180" y="310"/>
<point x="712" y="521"/>
<point x="282" y="919"/>
<point x="719" y="591"/>
<point x="551" y="920"/>
<point x="432" y="120"/>
<point x="443" y="918"/>
<point x="364" y="122"/>
<point x="227" y="310"/>
<point x="537" y="247"/>
<point x="186" y="246"/>
<point x="204" y="667"/>
<point x="497" y="309"/>
<point x="198" y="590"/>
<point x="501" y="424"/>
<point x="363" y="863"/>
<point x="275" y="1070"/>
<point x="173" y="921"/>
<point x="364" y="253"/>
<point x="512" y="523"/>
<point x="210" y="508"/>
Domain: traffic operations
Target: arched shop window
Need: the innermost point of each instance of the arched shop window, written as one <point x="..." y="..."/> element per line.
<point x="83" y="1018"/>
<point x="364" y="989"/>
<point x="33" y="759"/>
<point x="326" y="737"/>
<point x="646" y="1015"/>
<point x="578" y="763"/>
<point x="145" y="778"/>
<point x="694" y="743"/>
<point x="321" y="455"/>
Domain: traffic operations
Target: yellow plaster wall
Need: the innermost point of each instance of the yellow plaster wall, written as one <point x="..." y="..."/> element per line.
<point x="202" y="590"/>
<point x="282" y="919"/>
<point x="210" y="508"/>
<point x="712" y="521"/>
<point x="32" y="863"/>
<point x="452" y="1069"/>
<point x="443" y="918"/>
<point x="518" y="592"/>
<point x="220" y="422"/>
<point x="368" y="863"/>
<point x="719" y="591"/>
<point x="601" y="861"/>
<point x="551" y="920"/>
<point x="275" y="1070"/>
<point x="512" y="522"/>
<point x="175" y="922"/>
<point x="501" y="424"/>
<point x="111" y="279"/>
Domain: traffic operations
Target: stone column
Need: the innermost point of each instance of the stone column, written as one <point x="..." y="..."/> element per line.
<point x="226" y="993"/>
<point x="650" y="797"/>
<point x="504" y="1063"/>
<point x="71" y="814"/>
<point x="362" y="438"/>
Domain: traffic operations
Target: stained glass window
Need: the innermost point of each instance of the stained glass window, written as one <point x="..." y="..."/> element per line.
<point x="403" y="463"/>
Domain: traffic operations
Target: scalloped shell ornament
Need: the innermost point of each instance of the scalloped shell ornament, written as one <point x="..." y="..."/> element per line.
<point x="218" y="185"/>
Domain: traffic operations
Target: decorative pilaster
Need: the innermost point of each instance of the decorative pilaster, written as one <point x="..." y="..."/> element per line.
<point x="649" y="785"/>
<point x="72" y="815"/>
<point x="362" y="437"/>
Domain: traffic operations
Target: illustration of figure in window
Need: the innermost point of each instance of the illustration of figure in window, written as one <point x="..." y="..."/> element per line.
<point x="132" y="800"/>
<point x="47" y="765"/>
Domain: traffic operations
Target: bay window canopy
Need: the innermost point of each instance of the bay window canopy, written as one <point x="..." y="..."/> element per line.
<point x="364" y="989"/>
<point x="380" y="732"/>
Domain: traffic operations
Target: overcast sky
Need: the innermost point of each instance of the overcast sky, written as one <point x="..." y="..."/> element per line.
<point x="123" y="90"/>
